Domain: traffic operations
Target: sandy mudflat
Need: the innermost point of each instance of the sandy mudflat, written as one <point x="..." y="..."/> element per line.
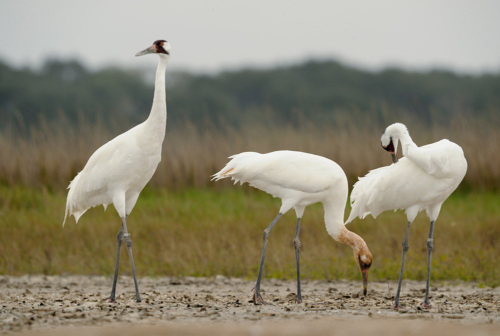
<point x="78" y="305"/>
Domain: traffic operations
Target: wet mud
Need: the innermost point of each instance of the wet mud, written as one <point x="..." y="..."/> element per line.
<point x="79" y="305"/>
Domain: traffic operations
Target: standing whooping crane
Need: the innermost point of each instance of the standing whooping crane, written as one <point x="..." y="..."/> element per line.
<point x="118" y="171"/>
<point x="299" y="179"/>
<point x="422" y="180"/>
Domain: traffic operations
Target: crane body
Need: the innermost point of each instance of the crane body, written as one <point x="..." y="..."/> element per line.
<point x="299" y="179"/>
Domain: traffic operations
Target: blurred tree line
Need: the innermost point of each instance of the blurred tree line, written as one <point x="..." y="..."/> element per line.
<point x="321" y="91"/>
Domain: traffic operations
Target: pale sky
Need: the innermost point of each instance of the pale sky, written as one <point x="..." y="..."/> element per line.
<point x="211" y="36"/>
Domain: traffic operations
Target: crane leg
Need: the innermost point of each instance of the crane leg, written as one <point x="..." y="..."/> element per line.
<point x="257" y="298"/>
<point x="430" y="247"/>
<point x="119" y="239"/>
<point x="128" y="242"/>
<point x="296" y="243"/>
<point x="406" y="247"/>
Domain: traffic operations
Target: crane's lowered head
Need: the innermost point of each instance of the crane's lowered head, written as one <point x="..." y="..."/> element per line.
<point x="364" y="259"/>
<point x="390" y="139"/>
<point x="362" y="254"/>
<point x="160" y="47"/>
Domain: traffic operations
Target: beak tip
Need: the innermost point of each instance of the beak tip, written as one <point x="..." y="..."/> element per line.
<point x="365" y="282"/>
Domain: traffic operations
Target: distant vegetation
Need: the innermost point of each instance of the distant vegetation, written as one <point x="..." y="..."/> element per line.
<point x="52" y="120"/>
<point x="319" y="91"/>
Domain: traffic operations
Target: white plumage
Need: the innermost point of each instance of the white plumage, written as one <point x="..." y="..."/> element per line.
<point x="422" y="180"/>
<point x="299" y="179"/>
<point x="118" y="171"/>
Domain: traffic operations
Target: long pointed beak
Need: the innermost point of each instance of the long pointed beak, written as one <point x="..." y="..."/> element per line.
<point x="146" y="51"/>
<point x="394" y="157"/>
<point x="365" y="281"/>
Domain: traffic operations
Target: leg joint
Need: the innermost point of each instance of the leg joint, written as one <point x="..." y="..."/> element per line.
<point x="128" y="240"/>
<point x="430" y="244"/>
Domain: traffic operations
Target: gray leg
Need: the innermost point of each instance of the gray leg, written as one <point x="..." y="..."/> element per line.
<point x="430" y="247"/>
<point x="296" y="243"/>
<point x="119" y="239"/>
<point x="257" y="298"/>
<point x="128" y="242"/>
<point x="406" y="247"/>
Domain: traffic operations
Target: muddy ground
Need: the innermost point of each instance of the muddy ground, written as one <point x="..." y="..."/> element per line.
<point x="78" y="305"/>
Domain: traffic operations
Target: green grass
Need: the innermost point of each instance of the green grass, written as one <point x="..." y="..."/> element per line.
<point x="204" y="232"/>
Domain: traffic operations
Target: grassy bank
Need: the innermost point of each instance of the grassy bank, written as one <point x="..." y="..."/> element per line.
<point x="204" y="232"/>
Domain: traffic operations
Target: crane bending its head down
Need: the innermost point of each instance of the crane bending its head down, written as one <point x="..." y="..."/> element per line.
<point x="300" y="179"/>
<point x="118" y="170"/>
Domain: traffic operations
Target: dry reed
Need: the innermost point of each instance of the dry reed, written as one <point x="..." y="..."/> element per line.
<point x="50" y="155"/>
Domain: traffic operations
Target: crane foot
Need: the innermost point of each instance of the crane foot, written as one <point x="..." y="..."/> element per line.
<point x="257" y="298"/>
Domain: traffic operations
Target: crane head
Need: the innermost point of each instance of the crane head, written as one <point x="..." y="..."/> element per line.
<point x="390" y="147"/>
<point x="364" y="260"/>
<point x="362" y="254"/>
<point x="158" y="47"/>
<point x="391" y="137"/>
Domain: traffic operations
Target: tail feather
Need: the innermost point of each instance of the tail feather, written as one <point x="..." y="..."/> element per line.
<point x="222" y="174"/>
<point x="234" y="167"/>
<point x="71" y="202"/>
<point x="65" y="216"/>
<point x="359" y="207"/>
<point x="364" y="192"/>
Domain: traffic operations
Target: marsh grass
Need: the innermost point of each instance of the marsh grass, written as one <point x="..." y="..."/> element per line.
<point x="50" y="155"/>
<point x="184" y="224"/>
<point x="205" y="232"/>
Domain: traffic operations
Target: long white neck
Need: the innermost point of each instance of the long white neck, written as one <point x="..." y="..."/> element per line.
<point x="334" y="221"/>
<point x="334" y="218"/>
<point x="157" y="119"/>
<point x="406" y="141"/>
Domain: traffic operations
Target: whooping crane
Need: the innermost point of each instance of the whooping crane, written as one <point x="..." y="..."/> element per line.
<point x="421" y="180"/>
<point x="299" y="179"/>
<point x="118" y="171"/>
